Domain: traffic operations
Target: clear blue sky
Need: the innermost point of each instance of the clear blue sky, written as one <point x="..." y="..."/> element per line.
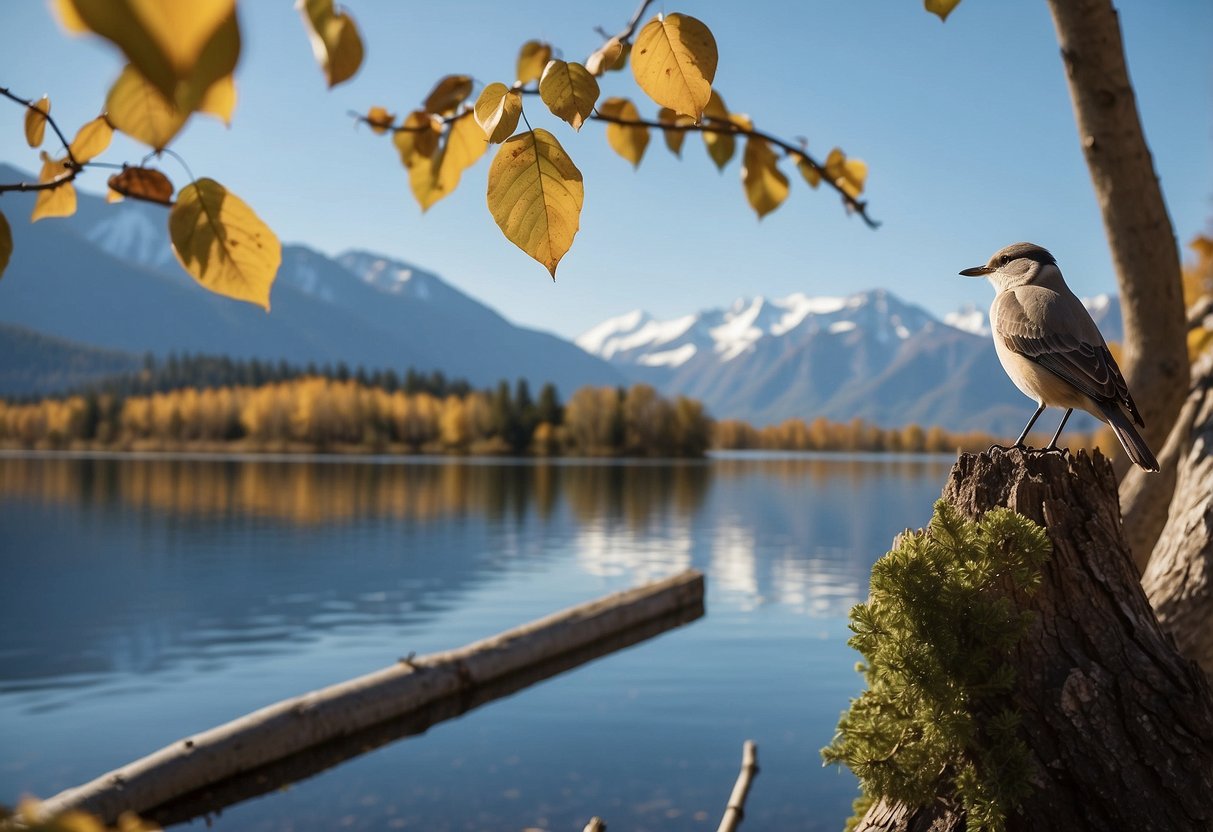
<point x="966" y="127"/>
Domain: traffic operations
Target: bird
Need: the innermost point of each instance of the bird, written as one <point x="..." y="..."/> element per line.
<point x="1053" y="351"/>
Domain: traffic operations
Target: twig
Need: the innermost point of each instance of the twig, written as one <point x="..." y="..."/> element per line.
<point x="713" y="125"/>
<point x="596" y="824"/>
<point x="734" y="813"/>
<point x="73" y="167"/>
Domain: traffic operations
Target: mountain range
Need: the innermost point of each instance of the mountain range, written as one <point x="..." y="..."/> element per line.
<point x="870" y="355"/>
<point x="90" y="294"/>
<point x="106" y="277"/>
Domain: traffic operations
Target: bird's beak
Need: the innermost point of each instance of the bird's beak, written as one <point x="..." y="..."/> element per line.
<point x="977" y="271"/>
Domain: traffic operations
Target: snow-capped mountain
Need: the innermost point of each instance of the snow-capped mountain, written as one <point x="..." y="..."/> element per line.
<point x="870" y="354"/>
<point x="106" y="277"/>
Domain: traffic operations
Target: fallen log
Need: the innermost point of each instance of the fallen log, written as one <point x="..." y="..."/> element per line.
<point x="293" y="725"/>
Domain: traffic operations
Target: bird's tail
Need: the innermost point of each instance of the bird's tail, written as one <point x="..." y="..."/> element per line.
<point x="1129" y="438"/>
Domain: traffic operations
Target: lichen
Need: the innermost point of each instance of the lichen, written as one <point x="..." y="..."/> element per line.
<point x="935" y="634"/>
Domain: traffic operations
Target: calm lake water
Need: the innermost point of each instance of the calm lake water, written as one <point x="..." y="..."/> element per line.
<point x="149" y="599"/>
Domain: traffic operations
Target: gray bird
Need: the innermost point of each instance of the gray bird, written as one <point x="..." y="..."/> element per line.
<point x="1053" y="351"/>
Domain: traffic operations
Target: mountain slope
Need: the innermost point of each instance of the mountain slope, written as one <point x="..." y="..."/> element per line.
<point x="870" y="355"/>
<point x="106" y="277"/>
<point x="31" y="363"/>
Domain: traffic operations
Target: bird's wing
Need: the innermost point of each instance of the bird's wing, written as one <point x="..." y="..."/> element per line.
<point x="1055" y="339"/>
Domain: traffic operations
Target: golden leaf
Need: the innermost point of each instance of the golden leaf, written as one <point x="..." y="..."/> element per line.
<point x="225" y="246"/>
<point x="336" y="43"/>
<point x="629" y="141"/>
<point x="532" y="58"/>
<point x="54" y="202"/>
<point x="147" y="184"/>
<point x="448" y="94"/>
<point x="181" y="49"/>
<point x="847" y="174"/>
<point x="68" y="17"/>
<point x="721" y="146"/>
<point x="605" y="57"/>
<point x="380" y="120"/>
<point x="943" y="8"/>
<point x="674" y="61"/>
<point x="569" y="90"/>
<point x="765" y="185"/>
<point x="139" y="110"/>
<point x="220" y="100"/>
<point x="811" y="174"/>
<point x="674" y="138"/>
<point x="6" y="243"/>
<point x="433" y="179"/>
<point x="35" y="121"/>
<point x="91" y="140"/>
<point x="497" y="111"/>
<point x="112" y="196"/>
<point x="535" y="196"/>
<point x="417" y="138"/>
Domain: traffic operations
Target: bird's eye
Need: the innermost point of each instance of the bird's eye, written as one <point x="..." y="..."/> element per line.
<point x="1002" y="261"/>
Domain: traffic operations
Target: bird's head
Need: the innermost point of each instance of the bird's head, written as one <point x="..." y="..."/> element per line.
<point x="1018" y="264"/>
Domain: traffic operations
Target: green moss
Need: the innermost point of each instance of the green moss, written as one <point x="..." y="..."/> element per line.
<point x="934" y="636"/>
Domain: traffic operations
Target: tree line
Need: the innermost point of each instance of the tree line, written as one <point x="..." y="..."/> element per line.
<point x="210" y="403"/>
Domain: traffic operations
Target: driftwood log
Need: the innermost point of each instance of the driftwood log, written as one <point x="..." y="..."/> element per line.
<point x="1118" y="724"/>
<point x="293" y="725"/>
<point x="734" y="812"/>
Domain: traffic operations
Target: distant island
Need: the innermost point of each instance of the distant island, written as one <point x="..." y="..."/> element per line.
<point x="217" y="404"/>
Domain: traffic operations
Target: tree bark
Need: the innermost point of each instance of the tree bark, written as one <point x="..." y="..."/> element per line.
<point x="1179" y="577"/>
<point x="1118" y="725"/>
<point x="1145" y="252"/>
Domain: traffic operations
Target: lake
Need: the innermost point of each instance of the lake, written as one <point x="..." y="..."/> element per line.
<point x="147" y="599"/>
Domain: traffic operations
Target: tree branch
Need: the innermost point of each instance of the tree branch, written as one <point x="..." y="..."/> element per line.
<point x="73" y="167"/>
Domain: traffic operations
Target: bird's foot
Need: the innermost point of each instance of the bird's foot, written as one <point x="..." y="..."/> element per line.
<point x="1053" y="449"/>
<point x="1008" y="448"/>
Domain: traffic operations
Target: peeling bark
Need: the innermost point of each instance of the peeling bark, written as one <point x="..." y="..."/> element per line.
<point x="1118" y="725"/>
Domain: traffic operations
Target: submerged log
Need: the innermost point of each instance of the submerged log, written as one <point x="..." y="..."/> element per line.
<point x="302" y="722"/>
<point x="1118" y="725"/>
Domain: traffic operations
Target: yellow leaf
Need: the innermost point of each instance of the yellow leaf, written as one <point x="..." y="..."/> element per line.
<point x="569" y="90"/>
<point x="605" y="57"/>
<point x="674" y="61"/>
<point x="417" y="138"/>
<point x="139" y="110"/>
<point x="54" y="202"/>
<point x="742" y="121"/>
<point x="147" y="184"/>
<point x="220" y="100"/>
<point x="465" y="144"/>
<point x="448" y="94"/>
<point x="497" y="111"/>
<point x="68" y="17"/>
<point x="91" y="140"/>
<point x="765" y="185"/>
<point x="674" y="138"/>
<point x="943" y="8"/>
<point x="336" y="43"/>
<point x="847" y="174"/>
<point x="380" y="120"/>
<point x="535" y="195"/>
<point x="532" y="58"/>
<point x="721" y="146"/>
<point x="225" y="246"/>
<point x="433" y="179"/>
<point x="6" y="243"/>
<point x="810" y="173"/>
<point x="629" y="141"/>
<point x="35" y="121"/>
<point x="166" y="41"/>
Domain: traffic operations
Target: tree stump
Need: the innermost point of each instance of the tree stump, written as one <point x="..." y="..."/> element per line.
<point x="1118" y="724"/>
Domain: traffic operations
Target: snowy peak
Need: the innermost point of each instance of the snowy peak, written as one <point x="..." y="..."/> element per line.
<point x="392" y="277"/>
<point x="724" y="335"/>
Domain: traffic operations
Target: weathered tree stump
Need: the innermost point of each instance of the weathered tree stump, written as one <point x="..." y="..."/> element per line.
<point x="1179" y="577"/>
<point x="1118" y="724"/>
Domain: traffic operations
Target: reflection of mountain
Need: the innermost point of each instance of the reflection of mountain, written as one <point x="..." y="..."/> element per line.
<point x="157" y="566"/>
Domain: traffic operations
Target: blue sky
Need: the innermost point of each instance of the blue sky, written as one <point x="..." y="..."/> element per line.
<point x="966" y="127"/>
